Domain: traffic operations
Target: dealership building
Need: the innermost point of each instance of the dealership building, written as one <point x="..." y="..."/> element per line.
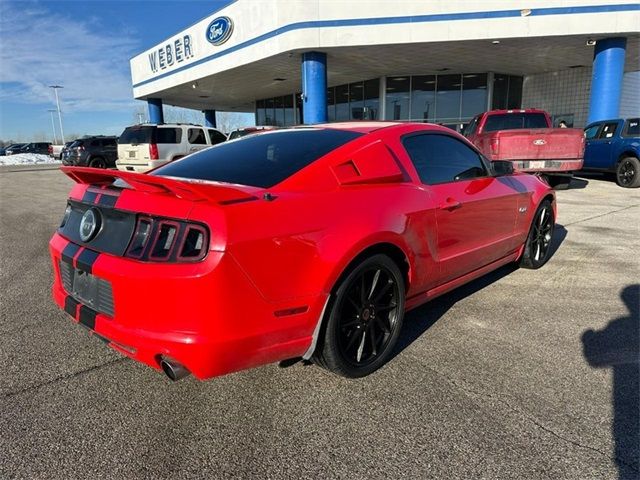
<point x="312" y="61"/>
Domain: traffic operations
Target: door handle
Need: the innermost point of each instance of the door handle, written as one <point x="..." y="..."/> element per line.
<point x="450" y="204"/>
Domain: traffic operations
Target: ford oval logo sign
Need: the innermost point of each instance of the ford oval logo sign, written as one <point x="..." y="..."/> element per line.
<point x="219" y="30"/>
<point x="540" y="141"/>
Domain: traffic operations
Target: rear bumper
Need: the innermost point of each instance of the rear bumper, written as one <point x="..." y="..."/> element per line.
<point x="139" y="167"/>
<point x="207" y="316"/>
<point x="551" y="165"/>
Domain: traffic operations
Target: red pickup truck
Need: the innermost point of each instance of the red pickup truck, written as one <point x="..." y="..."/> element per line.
<point x="526" y="138"/>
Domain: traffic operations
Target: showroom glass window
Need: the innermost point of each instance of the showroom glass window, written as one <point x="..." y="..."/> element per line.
<point x="507" y="92"/>
<point x="397" y="104"/>
<point x="474" y="94"/>
<point x="449" y="97"/>
<point x="261" y="116"/>
<point x="371" y="99"/>
<point x="342" y="103"/>
<point x="443" y="159"/>
<point x="331" y="104"/>
<point x="423" y="98"/>
<point x="356" y="101"/>
<point x="270" y="118"/>
<point x="278" y="106"/>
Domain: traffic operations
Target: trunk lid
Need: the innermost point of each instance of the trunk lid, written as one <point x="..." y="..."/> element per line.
<point x="536" y="144"/>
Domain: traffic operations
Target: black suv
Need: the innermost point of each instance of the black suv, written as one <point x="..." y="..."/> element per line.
<point x="97" y="152"/>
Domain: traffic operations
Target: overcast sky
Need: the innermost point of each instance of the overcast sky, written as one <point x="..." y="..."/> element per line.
<point x="84" y="46"/>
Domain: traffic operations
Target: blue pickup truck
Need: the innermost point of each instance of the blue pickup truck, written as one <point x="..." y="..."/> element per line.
<point x="614" y="146"/>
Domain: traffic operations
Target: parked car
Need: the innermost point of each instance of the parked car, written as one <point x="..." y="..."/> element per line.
<point x="303" y="242"/>
<point x="64" y="153"/>
<point x="148" y="146"/>
<point x="3" y="151"/>
<point x="97" y="151"/>
<point x="15" y="148"/>
<point x="243" y="132"/>
<point x="526" y="138"/>
<point x="55" y="151"/>
<point x="614" y="146"/>
<point x="41" y="148"/>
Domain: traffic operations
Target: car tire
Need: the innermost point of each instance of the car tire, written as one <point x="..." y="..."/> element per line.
<point x="537" y="248"/>
<point x="628" y="172"/>
<point x="98" y="162"/>
<point x="355" y="342"/>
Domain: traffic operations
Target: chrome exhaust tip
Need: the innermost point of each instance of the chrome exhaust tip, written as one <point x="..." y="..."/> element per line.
<point x="172" y="369"/>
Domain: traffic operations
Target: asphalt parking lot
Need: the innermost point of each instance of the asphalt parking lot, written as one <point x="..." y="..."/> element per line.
<point x="521" y="374"/>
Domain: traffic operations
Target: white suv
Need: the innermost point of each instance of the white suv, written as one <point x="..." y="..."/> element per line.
<point x="147" y="146"/>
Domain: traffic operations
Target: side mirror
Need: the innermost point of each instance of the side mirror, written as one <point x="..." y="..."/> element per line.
<point x="501" y="168"/>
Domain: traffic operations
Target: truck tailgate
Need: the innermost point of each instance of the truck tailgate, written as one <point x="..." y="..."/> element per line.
<point x="539" y="144"/>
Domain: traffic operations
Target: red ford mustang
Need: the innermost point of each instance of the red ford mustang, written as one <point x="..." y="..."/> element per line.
<point x="306" y="242"/>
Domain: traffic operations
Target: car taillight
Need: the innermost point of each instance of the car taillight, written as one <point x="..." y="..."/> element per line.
<point x="495" y="146"/>
<point x="153" y="151"/>
<point x="164" y="240"/>
<point x="50" y="149"/>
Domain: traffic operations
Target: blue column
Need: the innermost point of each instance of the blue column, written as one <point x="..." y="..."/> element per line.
<point x="155" y="110"/>
<point x="606" y="80"/>
<point x="314" y="87"/>
<point x="210" y="118"/>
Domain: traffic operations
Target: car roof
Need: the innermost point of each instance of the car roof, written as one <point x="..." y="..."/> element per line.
<point x="356" y="126"/>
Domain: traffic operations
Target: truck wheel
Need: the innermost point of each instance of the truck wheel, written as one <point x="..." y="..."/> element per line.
<point x="628" y="172"/>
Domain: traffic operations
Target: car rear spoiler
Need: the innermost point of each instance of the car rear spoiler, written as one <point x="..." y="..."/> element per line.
<point x="194" y="190"/>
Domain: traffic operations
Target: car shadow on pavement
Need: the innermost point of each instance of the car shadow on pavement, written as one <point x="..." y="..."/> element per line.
<point x="617" y="346"/>
<point x="578" y="184"/>
<point x="595" y="176"/>
<point x="423" y="318"/>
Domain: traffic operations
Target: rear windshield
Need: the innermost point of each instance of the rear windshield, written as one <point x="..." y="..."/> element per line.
<point x="514" y="121"/>
<point x="259" y="160"/>
<point x="136" y="135"/>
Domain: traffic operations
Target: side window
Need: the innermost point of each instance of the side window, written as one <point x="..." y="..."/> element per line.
<point x="633" y="128"/>
<point x="442" y="159"/>
<point x="95" y="143"/>
<point x="168" y="135"/>
<point x="216" y="137"/>
<point x="471" y="127"/>
<point x="196" y="136"/>
<point x="608" y="130"/>
<point x="591" y="132"/>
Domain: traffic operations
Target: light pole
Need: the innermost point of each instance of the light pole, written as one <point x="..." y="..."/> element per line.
<point x="55" y="89"/>
<point x="53" y="125"/>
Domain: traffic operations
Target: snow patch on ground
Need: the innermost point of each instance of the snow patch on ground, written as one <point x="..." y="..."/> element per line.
<point x="27" y="159"/>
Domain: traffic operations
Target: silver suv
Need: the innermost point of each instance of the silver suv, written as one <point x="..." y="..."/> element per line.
<point x="148" y="146"/>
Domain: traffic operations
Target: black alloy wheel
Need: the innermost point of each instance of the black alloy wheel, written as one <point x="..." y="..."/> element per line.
<point x="628" y="172"/>
<point x="364" y="319"/>
<point x="98" y="162"/>
<point x="537" y="249"/>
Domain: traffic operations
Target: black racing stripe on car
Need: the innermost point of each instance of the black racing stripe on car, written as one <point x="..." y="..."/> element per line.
<point x="71" y="305"/>
<point x="89" y="197"/>
<point x="88" y="317"/>
<point x="70" y="251"/>
<point x="86" y="259"/>
<point x="107" y="200"/>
